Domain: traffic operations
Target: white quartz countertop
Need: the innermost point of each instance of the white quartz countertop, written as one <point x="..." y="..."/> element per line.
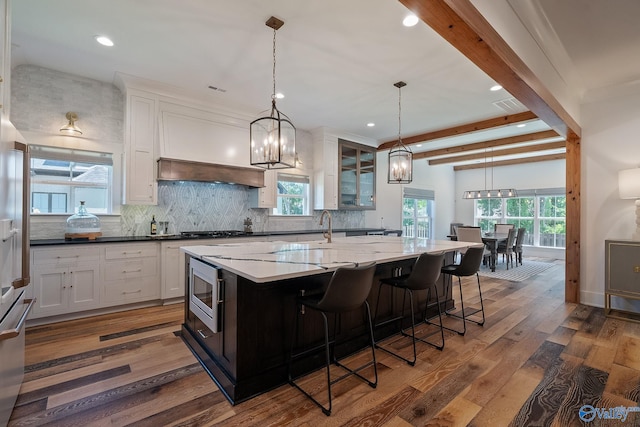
<point x="263" y="262"/>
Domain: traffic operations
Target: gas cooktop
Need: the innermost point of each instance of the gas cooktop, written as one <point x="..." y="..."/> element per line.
<point x="212" y="233"/>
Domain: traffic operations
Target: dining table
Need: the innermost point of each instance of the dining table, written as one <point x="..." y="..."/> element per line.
<point x="491" y="241"/>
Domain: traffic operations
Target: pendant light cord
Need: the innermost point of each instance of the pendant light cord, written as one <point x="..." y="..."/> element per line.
<point x="273" y="94"/>
<point x="399" y="114"/>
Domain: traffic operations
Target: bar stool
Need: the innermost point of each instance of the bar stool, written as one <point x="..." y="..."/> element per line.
<point x="469" y="265"/>
<point x="347" y="290"/>
<point x="423" y="276"/>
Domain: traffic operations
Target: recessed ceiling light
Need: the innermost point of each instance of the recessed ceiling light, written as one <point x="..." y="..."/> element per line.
<point x="371" y="124"/>
<point x="410" y="20"/>
<point x="521" y="125"/>
<point x="279" y="95"/>
<point x="104" y="41"/>
<point x="418" y="145"/>
<point x="495" y="88"/>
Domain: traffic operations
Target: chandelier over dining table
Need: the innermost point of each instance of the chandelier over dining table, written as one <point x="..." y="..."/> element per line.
<point x="490" y="193"/>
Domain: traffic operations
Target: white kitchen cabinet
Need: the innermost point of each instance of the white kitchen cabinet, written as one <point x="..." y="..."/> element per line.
<point x="130" y="273"/>
<point x="172" y="271"/>
<point x="65" y="280"/>
<point x="325" y="167"/>
<point x="140" y="186"/>
<point x="190" y="132"/>
<point x="265" y="197"/>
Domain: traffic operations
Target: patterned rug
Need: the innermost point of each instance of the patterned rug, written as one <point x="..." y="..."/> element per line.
<point x="516" y="274"/>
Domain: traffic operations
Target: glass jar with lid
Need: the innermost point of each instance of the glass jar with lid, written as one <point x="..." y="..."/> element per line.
<point x="83" y="224"/>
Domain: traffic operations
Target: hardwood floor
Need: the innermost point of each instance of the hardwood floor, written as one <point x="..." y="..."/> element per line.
<point x="536" y="361"/>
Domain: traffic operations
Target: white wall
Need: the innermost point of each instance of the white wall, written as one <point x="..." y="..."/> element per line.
<point x="611" y="131"/>
<point x="389" y="196"/>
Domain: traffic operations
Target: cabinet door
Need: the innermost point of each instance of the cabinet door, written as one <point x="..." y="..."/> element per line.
<point x="357" y="176"/>
<point x="366" y="179"/>
<point x="140" y="183"/>
<point x="265" y="197"/>
<point x="50" y="290"/>
<point x="172" y="271"/>
<point x="83" y="289"/>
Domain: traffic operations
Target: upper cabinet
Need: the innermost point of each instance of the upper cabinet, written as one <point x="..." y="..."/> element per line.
<point x="357" y="176"/>
<point x="198" y="134"/>
<point x="140" y="186"/>
<point x="325" y="168"/>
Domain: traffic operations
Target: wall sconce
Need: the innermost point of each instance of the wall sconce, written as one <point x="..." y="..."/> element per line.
<point x="629" y="188"/>
<point x="70" y="128"/>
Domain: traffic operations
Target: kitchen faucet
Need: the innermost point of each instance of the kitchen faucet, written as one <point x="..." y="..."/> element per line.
<point x="327" y="233"/>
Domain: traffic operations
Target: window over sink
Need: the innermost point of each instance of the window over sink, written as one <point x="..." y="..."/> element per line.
<point x="293" y="196"/>
<point x="62" y="177"/>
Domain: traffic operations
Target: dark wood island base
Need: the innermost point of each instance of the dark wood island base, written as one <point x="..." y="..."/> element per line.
<point x="249" y="354"/>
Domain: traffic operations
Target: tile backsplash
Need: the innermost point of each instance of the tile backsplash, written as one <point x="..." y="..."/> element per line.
<point x="192" y="206"/>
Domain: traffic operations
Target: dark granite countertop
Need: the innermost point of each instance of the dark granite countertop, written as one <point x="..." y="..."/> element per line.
<point x="126" y="239"/>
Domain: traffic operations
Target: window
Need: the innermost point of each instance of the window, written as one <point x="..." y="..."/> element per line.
<point x="541" y="212"/>
<point x="417" y="213"/>
<point x="61" y="178"/>
<point x="293" y="195"/>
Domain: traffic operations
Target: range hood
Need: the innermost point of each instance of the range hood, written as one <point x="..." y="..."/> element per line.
<point x="185" y="170"/>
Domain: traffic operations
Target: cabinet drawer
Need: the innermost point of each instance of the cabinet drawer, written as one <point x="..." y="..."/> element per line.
<point x="125" y="291"/>
<point x="66" y="256"/>
<point x="131" y="251"/>
<point x="130" y="269"/>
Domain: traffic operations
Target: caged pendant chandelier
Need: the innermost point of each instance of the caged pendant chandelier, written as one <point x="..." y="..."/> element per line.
<point x="400" y="156"/>
<point x="490" y="193"/>
<point x="273" y="137"/>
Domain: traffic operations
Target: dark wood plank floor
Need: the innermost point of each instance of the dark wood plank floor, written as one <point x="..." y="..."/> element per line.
<point x="535" y="362"/>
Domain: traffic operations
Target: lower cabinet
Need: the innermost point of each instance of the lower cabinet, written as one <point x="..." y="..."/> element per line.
<point x="61" y="290"/>
<point x="131" y="273"/>
<point x="172" y="270"/>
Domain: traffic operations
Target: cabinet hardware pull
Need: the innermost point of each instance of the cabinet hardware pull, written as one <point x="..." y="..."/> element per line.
<point x="636" y="269"/>
<point x="127" y="253"/>
<point x="12" y="333"/>
<point x="131" y="292"/>
<point x="132" y="271"/>
<point x="202" y="334"/>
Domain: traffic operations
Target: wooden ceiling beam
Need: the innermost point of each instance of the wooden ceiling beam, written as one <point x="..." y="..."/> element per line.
<point x="460" y="23"/>
<point x="499" y="153"/>
<point x="510" y="140"/>
<point x="462" y="129"/>
<point x="534" y="159"/>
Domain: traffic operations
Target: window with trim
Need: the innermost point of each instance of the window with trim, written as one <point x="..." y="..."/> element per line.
<point x="541" y="212"/>
<point x="293" y="195"/>
<point x="62" y="177"/>
<point x="417" y="213"/>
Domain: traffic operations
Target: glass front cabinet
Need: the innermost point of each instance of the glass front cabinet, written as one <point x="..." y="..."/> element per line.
<point x="357" y="176"/>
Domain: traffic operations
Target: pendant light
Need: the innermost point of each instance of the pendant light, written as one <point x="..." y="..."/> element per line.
<point x="400" y="156"/>
<point x="490" y="193"/>
<point x="273" y="137"/>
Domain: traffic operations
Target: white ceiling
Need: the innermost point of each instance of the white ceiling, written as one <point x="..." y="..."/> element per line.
<point x="337" y="60"/>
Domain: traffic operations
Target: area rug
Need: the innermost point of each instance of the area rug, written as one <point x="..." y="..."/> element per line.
<point x="516" y="274"/>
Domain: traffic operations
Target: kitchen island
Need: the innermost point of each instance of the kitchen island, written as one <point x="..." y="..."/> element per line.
<point x="255" y="308"/>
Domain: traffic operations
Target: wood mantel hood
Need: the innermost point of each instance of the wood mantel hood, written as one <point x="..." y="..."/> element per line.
<point x="185" y="170"/>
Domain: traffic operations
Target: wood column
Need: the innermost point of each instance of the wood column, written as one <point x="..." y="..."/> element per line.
<point x="572" y="260"/>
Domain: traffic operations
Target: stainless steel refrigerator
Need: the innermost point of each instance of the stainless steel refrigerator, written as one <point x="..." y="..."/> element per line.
<point x="14" y="264"/>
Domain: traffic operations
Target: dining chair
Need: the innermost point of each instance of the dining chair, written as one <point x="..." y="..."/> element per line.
<point x="517" y="248"/>
<point x="471" y="234"/>
<point x="503" y="228"/>
<point x="507" y="250"/>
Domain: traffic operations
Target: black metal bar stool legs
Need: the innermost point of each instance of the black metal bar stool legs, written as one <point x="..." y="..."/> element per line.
<point x="469" y="265"/>
<point x="347" y="290"/>
<point x="423" y="276"/>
